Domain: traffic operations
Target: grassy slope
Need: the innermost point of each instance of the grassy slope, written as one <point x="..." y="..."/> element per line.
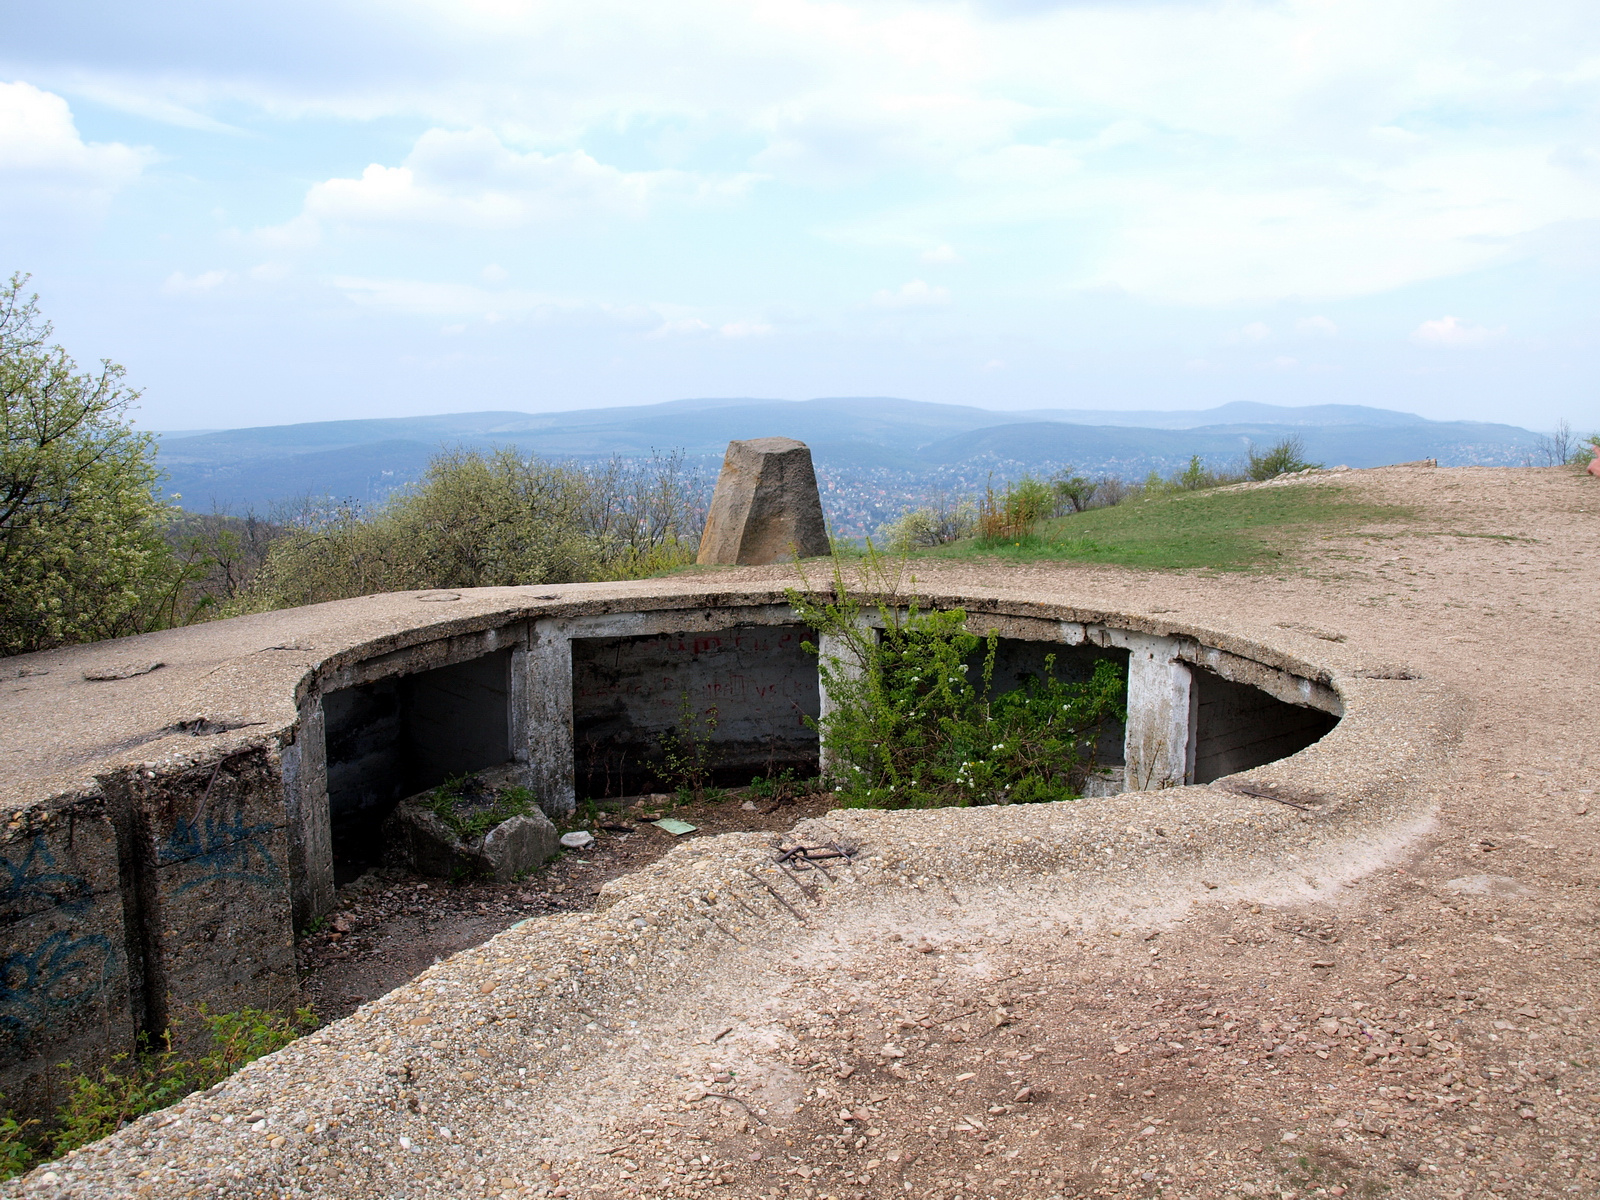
<point x="1223" y="530"/>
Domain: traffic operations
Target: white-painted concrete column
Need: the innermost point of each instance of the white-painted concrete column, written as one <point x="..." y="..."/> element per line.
<point x="305" y="793"/>
<point x="541" y="707"/>
<point x="843" y="660"/>
<point x="1159" y="747"/>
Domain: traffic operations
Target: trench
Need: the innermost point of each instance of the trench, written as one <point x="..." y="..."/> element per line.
<point x="737" y="699"/>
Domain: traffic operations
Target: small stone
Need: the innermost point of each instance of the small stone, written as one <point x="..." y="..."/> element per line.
<point x="1023" y="1096"/>
<point x="1527" y="1114"/>
<point x="578" y="839"/>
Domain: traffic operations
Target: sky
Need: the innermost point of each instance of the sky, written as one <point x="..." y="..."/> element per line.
<point x="308" y="211"/>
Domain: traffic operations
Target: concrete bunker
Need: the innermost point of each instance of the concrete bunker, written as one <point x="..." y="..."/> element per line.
<point x="189" y="873"/>
<point x="396" y="736"/>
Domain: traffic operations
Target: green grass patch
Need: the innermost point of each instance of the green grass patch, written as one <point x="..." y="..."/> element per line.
<point x="470" y="809"/>
<point x="1221" y="530"/>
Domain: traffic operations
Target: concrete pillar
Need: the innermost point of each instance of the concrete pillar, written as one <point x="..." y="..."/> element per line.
<point x="1162" y="699"/>
<point x="305" y="792"/>
<point x="541" y="722"/>
<point x="837" y="653"/>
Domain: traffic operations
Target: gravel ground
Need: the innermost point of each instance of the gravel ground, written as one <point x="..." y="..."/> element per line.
<point x="389" y="925"/>
<point x="1184" y="993"/>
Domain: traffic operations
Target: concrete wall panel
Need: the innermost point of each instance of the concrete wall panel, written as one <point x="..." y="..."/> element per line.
<point x="212" y="859"/>
<point x="629" y="694"/>
<point x="65" y="985"/>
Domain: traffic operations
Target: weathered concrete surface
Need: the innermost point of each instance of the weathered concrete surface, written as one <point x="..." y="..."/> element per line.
<point x="211" y="858"/>
<point x="766" y="508"/>
<point x="65" y="984"/>
<point x="747" y="691"/>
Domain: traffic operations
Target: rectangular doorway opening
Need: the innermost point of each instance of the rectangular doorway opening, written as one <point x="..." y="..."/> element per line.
<point x="398" y="736"/>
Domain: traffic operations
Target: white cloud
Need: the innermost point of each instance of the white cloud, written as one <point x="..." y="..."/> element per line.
<point x="494" y="274"/>
<point x="942" y="254"/>
<point x="178" y="283"/>
<point x="680" y="327"/>
<point x="915" y="294"/>
<point x="1256" y="331"/>
<point x="46" y="166"/>
<point x="744" y="329"/>
<point x="1452" y="331"/>
<point x="470" y="179"/>
<point x="1316" y="327"/>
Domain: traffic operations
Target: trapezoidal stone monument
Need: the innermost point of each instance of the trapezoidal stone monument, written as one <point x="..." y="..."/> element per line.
<point x="766" y="508"/>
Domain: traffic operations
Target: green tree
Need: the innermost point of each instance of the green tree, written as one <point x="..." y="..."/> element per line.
<point x="81" y="549"/>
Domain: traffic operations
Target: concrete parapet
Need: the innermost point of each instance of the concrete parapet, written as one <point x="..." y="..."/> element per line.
<point x="169" y="831"/>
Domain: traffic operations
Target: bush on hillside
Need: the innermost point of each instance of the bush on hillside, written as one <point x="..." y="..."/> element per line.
<point x="486" y="520"/>
<point x="1282" y="458"/>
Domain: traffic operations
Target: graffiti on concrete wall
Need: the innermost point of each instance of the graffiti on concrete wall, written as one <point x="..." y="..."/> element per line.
<point x="58" y="974"/>
<point x="221" y="848"/>
<point x="41" y="980"/>
<point x="32" y="882"/>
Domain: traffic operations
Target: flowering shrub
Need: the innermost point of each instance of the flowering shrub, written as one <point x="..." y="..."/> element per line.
<point x="909" y="726"/>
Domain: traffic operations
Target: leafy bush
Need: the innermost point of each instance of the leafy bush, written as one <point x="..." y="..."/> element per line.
<point x="137" y="1084"/>
<point x="1283" y="457"/>
<point x="487" y="520"/>
<point x="937" y="524"/>
<point x="910" y="728"/>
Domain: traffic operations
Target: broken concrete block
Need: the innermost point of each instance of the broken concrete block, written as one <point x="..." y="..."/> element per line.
<point x="451" y="840"/>
<point x="766" y="508"/>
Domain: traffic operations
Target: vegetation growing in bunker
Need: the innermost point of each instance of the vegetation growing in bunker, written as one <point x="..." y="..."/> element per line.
<point x="98" y="1104"/>
<point x="910" y="726"/>
<point x="471" y="809"/>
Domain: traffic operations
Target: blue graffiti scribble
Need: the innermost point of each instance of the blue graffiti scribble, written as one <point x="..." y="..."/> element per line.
<point x="34" y="884"/>
<point x="60" y="973"/>
<point x="222" y="849"/>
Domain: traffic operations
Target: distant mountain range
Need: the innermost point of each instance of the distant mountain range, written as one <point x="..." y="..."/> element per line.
<point x="896" y="449"/>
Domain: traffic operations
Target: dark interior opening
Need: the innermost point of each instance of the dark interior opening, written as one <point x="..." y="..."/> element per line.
<point x="399" y="736"/>
<point x="630" y="696"/>
<point x="1240" y="727"/>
